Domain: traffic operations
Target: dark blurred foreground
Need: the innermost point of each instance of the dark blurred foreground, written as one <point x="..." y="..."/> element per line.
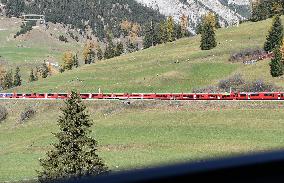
<point x="263" y="167"/>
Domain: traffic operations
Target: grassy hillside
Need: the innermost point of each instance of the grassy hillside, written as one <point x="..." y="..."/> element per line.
<point x="174" y="67"/>
<point x="29" y="50"/>
<point x="144" y="134"/>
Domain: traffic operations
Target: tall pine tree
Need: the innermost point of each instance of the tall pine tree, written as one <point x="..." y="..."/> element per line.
<point x="170" y="29"/>
<point x="119" y="49"/>
<point x="275" y="36"/>
<point x="148" y="40"/>
<point x="75" y="154"/>
<point x="276" y="64"/>
<point x="208" y="40"/>
<point x="99" y="53"/>
<point x="44" y="70"/>
<point x="17" y="77"/>
<point x="32" y="77"/>
<point x="75" y="61"/>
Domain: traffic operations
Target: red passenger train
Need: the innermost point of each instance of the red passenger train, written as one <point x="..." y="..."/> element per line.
<point x="150" y="96"/>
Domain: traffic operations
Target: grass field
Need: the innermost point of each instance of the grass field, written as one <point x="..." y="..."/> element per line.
<point x="173" y="67"/>
<point x="31" y="49"/>
<point x="145" y="134"/>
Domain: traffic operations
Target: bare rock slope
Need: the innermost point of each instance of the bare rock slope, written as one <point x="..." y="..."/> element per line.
<point x="231" y="12"/>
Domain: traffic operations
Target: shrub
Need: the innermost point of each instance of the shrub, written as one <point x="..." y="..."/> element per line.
<point x="248" y="55"/>
<point x="25" y="28"/>
<point x="258" y="86"/>
<point x="63" y="38"/>
<point x="3" y="113"/>
<point x="27" y="114"/>
<point x="233" y="83"/>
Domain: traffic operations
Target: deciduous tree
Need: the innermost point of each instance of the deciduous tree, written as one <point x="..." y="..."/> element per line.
<point x="68" y="60"/>
<point x="8" y="80"/>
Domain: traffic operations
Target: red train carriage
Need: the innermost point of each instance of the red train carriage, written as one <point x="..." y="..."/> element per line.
<point x="151" y="96"/>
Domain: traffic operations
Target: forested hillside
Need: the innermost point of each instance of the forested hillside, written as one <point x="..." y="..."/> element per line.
<point x="100" y="15"/>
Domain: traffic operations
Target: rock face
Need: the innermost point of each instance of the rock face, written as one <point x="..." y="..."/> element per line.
<point x="231" y="12"/>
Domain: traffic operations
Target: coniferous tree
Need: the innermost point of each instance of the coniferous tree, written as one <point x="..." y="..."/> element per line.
<point x="37" y="70"/>
<point x="275" y="36"/>
<point x="89" y="54"/>
<point x="109" y="52"/>
<point x="276" y="64"/>
<point x="44" y="70"/>
<point x="199" y="28"/>
<point x="217" y="21"/>
<point x="32" y="77"/>
<point x="99" y="53"/>
<point x="170" y="29"/>
<point x="156" y="34"/>
<point x="110" y="49"/>
<point x="8" y="80"/>
<point x="208" y="40"/>
<point x="15" y="7"/>
<point x="178" y="32"/>
<point x="17" y="77"/>
<point x="75" y="154"/>
<point x="163" y="36"/>
<point x="91" y="57"/>
<point x="148" y="40"/>
<point x="119" y="49"/>
<point x="131" y="47"/>
<point x="75" y="61"/>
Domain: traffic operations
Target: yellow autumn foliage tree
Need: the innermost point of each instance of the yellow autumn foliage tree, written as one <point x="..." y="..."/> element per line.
<point x="68" y="60"/>
<point x="88" y="52"/>
<point x="210" y="18"/>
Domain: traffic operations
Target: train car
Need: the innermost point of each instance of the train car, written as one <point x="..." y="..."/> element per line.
<point x="150" y="96"/>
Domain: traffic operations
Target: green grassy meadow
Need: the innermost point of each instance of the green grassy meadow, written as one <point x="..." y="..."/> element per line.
<point x="144" y="134"/>
<point x="30" y="50"/>
<point x="173" y="67"/>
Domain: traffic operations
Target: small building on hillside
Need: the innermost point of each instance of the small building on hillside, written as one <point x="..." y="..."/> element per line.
<point x="39" y="19"/>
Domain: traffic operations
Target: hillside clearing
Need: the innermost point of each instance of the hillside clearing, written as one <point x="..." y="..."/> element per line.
<point x="173" y="67"/>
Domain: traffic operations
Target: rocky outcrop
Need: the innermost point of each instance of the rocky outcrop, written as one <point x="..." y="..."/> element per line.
<point x="231" y="12"/>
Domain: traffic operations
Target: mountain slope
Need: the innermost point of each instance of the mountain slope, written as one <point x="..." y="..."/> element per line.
<point x="174" y="67"/>
<point x="100" y="15"/>
<point x="230" y="12"/>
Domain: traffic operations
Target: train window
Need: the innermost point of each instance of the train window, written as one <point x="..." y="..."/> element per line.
<point x="254" y="95"/>
<point x="268" y="95"/>
<point x="63" y="95"/>
<point x="41" y="95"/>
<point x="243" y="95"/>
<point x="28" y="95"/>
